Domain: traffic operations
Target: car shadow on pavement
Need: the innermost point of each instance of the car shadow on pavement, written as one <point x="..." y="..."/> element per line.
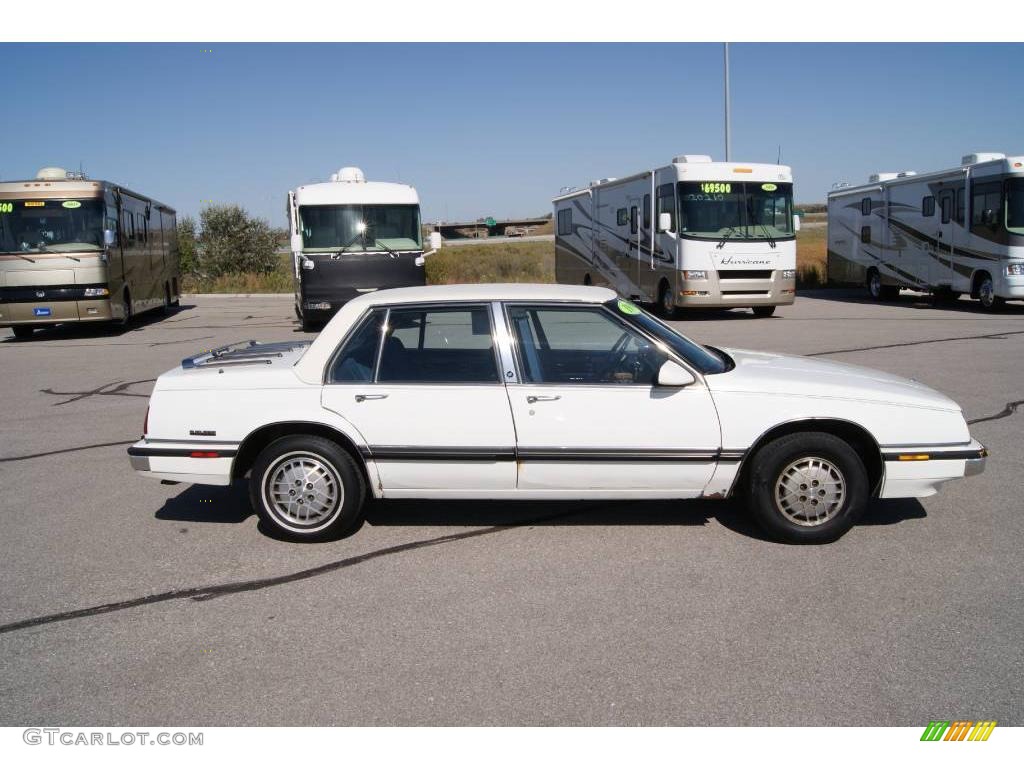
<point x="216" y="504"/>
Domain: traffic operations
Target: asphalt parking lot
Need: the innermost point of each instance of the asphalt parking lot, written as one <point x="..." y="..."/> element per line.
<point x="178" y="610"/>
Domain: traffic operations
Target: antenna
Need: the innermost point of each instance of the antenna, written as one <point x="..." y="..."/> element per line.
<point x="728" y="126"/>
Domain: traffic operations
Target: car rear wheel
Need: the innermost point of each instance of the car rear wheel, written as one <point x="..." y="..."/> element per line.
<point x="808" y="487"/>
<point x="307" y="488"/>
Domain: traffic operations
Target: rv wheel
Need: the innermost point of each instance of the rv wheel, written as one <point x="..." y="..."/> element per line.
<point x="875" y="285"/>
<point x="666" y="304"/>
<point x="763" y="311"/>
<point x="22" y="331"/>
<point x="987" y="294"/>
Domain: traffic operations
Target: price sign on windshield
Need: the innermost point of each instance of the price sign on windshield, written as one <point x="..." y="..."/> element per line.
<point x="715" y="187"/>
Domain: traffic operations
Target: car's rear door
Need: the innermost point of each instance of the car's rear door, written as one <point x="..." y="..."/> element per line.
<point x="422" y="385"/>
<point x="588" y="415"/>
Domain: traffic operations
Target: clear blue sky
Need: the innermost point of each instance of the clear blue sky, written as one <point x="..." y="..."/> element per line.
<point x="492" y="129"/>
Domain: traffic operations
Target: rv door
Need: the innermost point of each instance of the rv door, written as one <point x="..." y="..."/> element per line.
<point x="940" y="270"/>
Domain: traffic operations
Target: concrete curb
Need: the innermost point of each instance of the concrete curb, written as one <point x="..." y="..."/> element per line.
<point x="234" y="295"/>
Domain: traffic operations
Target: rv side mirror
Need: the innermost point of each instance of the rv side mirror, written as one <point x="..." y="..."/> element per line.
<point x="796" y="223"/>
<point x="664" y="221"/>
<point x="435" y="241"/>
<point x="296" y="243"/>
<point x="672" y="374"/>
<point x="109" y="237"/>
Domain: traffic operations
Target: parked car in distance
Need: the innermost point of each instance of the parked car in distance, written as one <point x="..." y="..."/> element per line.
<point x="543" y="392"/>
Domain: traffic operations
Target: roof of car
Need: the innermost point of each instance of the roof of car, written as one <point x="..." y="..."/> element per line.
<point x="310" y="367"/>
<point x="487" y="292"/>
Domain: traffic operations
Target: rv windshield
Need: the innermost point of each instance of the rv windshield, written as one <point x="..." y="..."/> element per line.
<point x="718" y="210"/>
<point x="60" y="226"/>
<point x="332" y="227"/>
<point x="1015" y="206"/>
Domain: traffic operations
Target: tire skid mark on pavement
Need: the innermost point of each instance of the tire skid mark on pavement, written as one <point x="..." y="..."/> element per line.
<point x="236" y="587"/>
<point x="1008" y="410"/>
<point x="65" y="450"/>
<point x="996" y="335"/>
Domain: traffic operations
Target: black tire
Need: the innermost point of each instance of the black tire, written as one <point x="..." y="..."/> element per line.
<point x="778" y="458"/>
<point x="666" y="305"/>
<point x="308" y="326"/>
<point x="23" y="331"/>
<point x="330" y="467"/>
<point x="763" y="311"/>
<point x="125" y="321"/>
<point x="874" y="285"/>
<point x="167" y="299"/>
<point x="987" y="294"/>
<point x="890" y="292"/>
<point x="587" y="280"/>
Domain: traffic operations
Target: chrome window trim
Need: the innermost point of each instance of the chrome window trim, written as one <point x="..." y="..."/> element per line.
<point x="504" y="345"/>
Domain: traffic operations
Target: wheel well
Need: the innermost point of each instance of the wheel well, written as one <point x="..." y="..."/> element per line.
<point x="976" y="281"/>
<point x="264" y="436"/>
<point x="856" y="436"/>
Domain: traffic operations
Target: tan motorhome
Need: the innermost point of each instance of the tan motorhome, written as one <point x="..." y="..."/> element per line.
<point x="74" y="249"/>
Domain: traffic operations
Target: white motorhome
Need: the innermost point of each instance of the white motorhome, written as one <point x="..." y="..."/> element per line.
<point x="350" y="236"/>
<point x="722" y="235"/>
<point x="950" y="232"/>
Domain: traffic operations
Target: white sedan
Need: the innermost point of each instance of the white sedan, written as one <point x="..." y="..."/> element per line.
<point x="543" y="392"/>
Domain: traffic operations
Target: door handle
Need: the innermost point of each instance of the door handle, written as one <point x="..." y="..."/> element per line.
<point x="361" y="398"/>
<point x="538" y="398"/>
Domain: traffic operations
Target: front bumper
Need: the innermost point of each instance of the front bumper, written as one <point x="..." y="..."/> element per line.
<point x="920" y="470"/>
<point x="201" y="463"/>
<point x="46" y="312"/>
<point x="722" y="290"/>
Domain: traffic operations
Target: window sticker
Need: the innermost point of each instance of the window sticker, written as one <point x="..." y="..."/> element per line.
<point x="72" y="204"/>
<point x="627" y="308"/>
<point x="769" y="187"/>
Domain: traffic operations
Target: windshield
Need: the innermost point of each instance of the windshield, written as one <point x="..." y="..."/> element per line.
<point x="360" y="227"/>
<point x="61" y="226"/>
<point x="717" y="210"/>
<point x="1015" y="206"/>
<point x="701" y="358"/>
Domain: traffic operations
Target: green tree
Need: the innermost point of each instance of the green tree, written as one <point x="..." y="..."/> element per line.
<point x="188" y="246"/>
<point x="232" y="242"/>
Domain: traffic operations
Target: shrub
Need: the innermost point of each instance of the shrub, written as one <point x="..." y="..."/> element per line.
<point x="233" y="242"/>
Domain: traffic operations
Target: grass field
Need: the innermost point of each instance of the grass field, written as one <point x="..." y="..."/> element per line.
<point x="527" y="262"/>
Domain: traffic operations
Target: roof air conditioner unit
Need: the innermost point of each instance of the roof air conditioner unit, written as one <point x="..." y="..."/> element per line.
<point x="874" y="178"/>
<point x="52" y="173"/>
<point x="691" y="159"/>
<point x="981" y="157"/>
<point x="349" y="174"/>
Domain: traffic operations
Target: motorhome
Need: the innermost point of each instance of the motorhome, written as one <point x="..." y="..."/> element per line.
<point x="952" y="232"/>
<point x="74" y="249"/>
<point x="694" y="233"/>
<point x="350" y="236"/>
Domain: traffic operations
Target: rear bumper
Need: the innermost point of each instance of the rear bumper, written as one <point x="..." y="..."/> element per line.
<point x="918" y="471"/>
<point x="201" y="463"/>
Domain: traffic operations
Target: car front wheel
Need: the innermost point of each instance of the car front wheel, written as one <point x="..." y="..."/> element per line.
<point x="307" y="488"/>
<point x="808" y="487"/>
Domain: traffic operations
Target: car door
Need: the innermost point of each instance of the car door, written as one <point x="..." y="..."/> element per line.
<point x="589" y="417"/>
<point x="421" y="384"/>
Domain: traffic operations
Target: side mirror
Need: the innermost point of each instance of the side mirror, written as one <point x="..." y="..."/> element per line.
<point x="109" y="237"/>
<point x="672" y="374"/>
<point x="796" y="223"/>
<point x="664" y="221"/>
<point x="308" y="264"/>
<point x="435" y="241"/>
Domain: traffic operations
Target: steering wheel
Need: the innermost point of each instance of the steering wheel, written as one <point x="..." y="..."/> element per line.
<point x="619" y="353"/>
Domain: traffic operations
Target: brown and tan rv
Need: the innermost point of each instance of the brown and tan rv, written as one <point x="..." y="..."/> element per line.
<point x="74" y="249"/>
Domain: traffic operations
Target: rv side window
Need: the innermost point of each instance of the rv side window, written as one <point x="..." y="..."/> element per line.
<point x="865" y="206"/>
<point x="865" y="234"/>
<point x="632" y="220"/>
<point x="986" y="207"/>
<point x="565" y="221"/>
<point x="928" y="206"/>
<point x="647" y="211"/>
<point x="667" y="203"/>
<point x="960" y="202"/>
<point x="621" y="217"/>
<point x="947" y="208"/>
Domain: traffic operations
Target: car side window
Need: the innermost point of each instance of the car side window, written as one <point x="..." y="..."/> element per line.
<point x="439" y="345"/>
<point x="357" y="358"/>
<point x="581" y="345"/>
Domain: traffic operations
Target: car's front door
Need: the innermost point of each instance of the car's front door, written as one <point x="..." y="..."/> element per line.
<point x="421" y="384"/>
<point x="589" y="415"/>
